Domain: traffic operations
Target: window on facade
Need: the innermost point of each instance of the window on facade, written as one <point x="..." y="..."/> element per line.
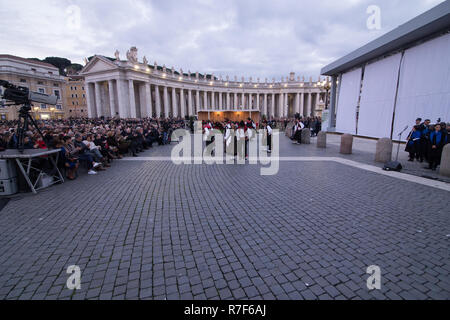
<point x="73" y="103"/>
<point x="43" y="106"/>
<point x="33" y="69"/>
<point x="41" y="90"/>
<point x="84" y="96"/>
<point x="57" y="94"/>
<point x="56" y="85"/>
<point x="23" y="80"/>
<point x="58" y="107"/>
<point x="41" y="82"/>
<point x="71" y="88"/>
<point x="50" y="72"/>
<point x="70" y="110"/>
<point x="82" y="88"/>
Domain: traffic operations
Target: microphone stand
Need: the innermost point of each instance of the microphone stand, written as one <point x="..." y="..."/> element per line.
<point x="399" y="141"/>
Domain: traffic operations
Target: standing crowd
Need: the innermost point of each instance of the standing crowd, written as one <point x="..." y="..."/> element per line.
<point x="426" y="141"/>
<point x="314" y="124"/>
<point x="238" y="134"/>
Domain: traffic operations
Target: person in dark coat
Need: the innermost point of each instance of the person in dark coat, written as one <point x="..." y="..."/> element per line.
<point x="413" y="145"/>
<point x="437" y="141"/>
<point x="425" y="140"/>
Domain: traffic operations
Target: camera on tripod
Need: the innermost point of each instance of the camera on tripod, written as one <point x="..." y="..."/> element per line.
<point x="22" y="95"/>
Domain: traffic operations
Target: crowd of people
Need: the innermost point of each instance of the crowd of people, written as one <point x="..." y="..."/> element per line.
<point x="426" y="141"/>
<point x="97" y="142"/>
<point x="314" y="124"/>
<point x="93" y="142"/>
<point x="237" y="134"/>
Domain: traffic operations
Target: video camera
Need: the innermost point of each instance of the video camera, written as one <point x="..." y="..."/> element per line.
<point x="22" y="95"/>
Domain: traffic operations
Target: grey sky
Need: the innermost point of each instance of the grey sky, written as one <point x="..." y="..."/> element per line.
<point x="257" y="38"/>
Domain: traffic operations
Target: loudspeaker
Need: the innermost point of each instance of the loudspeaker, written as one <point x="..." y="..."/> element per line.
<point x="393" y="166"/>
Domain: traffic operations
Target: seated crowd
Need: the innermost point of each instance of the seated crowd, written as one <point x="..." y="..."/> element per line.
<point x="93" y="142"/>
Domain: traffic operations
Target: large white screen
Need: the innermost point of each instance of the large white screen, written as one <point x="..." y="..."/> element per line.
<point x="348" y="99"/>
<point x="424" y="88"/>
<point x="378" y="97"/>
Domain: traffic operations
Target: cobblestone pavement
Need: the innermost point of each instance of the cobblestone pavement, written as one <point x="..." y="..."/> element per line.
<point x="155" y="230"/>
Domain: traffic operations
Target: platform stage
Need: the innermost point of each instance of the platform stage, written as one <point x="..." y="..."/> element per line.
<point x="219" y="115"/>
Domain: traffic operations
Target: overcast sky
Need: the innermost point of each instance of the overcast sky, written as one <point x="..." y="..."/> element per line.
<point x="258" y="38"/>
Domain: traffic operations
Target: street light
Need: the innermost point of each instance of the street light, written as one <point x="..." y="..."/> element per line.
<point x="327" y="86"/>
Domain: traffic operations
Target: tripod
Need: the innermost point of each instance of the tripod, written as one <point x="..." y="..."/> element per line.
<point x="22" y="127"/>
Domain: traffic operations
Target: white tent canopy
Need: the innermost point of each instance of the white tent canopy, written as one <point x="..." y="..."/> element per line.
<point x="378" y="97"/>
<point x="424" y="88"/>
<point x="348" y="100"/>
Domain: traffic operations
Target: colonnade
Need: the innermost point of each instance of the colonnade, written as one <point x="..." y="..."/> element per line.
<point x="138" y="99"/>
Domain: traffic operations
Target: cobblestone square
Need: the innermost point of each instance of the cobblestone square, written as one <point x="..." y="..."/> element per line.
<point x="156" y="230"/>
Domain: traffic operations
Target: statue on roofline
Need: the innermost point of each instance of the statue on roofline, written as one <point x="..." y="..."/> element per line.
<point x="132" y="55"/>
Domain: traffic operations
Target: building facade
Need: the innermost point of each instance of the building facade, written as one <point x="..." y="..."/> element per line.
<point x="381" y="88"/>
<point x="133" y="89"/>
<point x="75" y="97"/>
<point x="38" y="77"/>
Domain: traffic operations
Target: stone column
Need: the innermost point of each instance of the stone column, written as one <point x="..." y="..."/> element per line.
<point x="346" y="144"/>
<point x="297" y="103"/>
<point x="235" y="102"/>
<point x="205" y="100"/>
<point x="302" y="104"/>
<point x="123" y="98"/>
<point x="317" y="103"/>
<point x="190" y="113"/>
<point x="286" y="105"/>
<point x="444" y="168"/>
<point x="258" y="107"/>
<point x="221" y="101"/>
<point x="112" y="99"/>
<point x="148" y="100"/>
<point x="90" y="100"/>
<point x="265" y="105"/>
<point x="228" y="101"/>
<point x="280" y="105"/>
<point x="166" y="102"/>
<point x="383" y="151"/>
<point x="308" y="105"/>
<point x="98" y="99"/>
<point x="157" y="102"/>
<point x="182" y="104"/>
<point x="197" y="100"/>
<point x="174" y="103"/>
<point x="132" y="99"/>
<point x="272" y="111"/>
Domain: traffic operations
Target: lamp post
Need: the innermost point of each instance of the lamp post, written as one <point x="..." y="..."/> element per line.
<point x="327" y="86"/>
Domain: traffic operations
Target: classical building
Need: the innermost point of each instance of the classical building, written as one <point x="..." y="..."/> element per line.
<point x="38" y="77"/>
<point x="133" y="89"/>
<point x="75" y="97"/>
<point x="384" y="86"/>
